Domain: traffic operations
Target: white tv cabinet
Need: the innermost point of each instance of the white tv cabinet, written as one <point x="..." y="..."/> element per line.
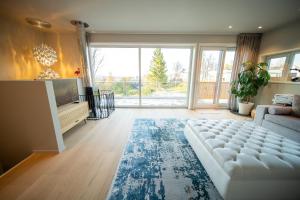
<point x="70" y="115"/>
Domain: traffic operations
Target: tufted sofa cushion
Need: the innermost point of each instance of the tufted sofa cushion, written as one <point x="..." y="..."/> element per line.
<point x="247" y="151"/>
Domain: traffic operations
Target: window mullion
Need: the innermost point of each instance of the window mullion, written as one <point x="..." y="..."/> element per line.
<point x="219" y="76"/>
<point x="140" y="78"/>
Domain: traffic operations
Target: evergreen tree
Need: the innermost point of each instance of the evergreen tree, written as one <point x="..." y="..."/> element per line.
<point x="158" y="69"/>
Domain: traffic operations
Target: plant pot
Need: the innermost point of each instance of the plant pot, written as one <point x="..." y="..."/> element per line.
<point x="245" y="108"/>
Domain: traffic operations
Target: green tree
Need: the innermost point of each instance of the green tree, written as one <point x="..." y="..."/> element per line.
<point x="158" y="69"/>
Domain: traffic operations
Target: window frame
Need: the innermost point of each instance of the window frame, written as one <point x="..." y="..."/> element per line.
<point x="290" y="56"/>
<point x="140" y="46"/>
<point x="223" y="49"/>
<point x="293" y="60"/>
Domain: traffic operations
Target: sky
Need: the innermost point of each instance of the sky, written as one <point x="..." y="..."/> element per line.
<point x="123" y="62"/>
<point x="211" y="63"/>
<point x="296" y="63"/>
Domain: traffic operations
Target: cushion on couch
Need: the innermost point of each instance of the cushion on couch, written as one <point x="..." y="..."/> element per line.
<point x="296" y="105"/>
<point x="284" y="120"/>
<point x="280" y="110"/>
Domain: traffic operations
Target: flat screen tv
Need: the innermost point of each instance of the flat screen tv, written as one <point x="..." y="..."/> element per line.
<point x="65" y="90"/>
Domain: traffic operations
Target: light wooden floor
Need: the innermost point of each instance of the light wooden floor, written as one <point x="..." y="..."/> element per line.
<point x="86" y="168"/>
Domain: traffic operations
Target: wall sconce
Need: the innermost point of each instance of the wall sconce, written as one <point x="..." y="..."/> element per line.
<point x="46" y="56"/>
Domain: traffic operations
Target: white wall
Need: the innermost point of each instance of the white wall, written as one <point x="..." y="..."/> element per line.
<point x="16" y="43"/>
<point x="283" y="39"/>
<point x="160" y="38"/>
<point x="28" y="120"/>
<point x="266" y="94"/>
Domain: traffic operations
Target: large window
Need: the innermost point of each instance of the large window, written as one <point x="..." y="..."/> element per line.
<point x="281" y="65"/>
<point x="117" y="69"/>
<point x="164" y="76"/>
<point x="276" y="66"/>
<point x="226" y="76"/>
<point x="148" y="76"/>
<point x="295" y="68"/>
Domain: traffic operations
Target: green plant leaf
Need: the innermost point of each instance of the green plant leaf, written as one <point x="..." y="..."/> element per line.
<point x="250" y="80"/>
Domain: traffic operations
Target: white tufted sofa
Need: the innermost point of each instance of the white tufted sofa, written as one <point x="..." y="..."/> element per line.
<point x="246" y="161"/>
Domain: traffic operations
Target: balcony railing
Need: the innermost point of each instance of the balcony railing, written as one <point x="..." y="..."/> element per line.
<point x="126" y="88"/>
<point x="170" y="93"/>
<point x="206" y="90"/>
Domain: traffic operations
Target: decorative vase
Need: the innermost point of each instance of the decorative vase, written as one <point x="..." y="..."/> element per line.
<point x="245" y="108"/>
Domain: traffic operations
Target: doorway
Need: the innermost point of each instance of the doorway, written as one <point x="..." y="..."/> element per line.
<point x="213" y="85"/>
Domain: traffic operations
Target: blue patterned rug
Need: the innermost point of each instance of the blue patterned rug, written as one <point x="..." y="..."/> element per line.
<point x="159" y="163"/>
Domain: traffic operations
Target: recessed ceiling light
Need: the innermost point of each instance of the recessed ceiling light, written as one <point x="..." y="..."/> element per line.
<point x="38" y="22"/>
<point x="260" y="27"/>
<point x="230" y="27"/>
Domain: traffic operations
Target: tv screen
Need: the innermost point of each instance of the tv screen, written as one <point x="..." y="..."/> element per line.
<point x="65" y="90"/>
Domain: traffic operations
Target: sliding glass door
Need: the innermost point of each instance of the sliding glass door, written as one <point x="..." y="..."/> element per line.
<point x="143" y="76"/>
<point x="214" y="76"/>
<point x="224" y="88"/>
<point x="208" y="80"/>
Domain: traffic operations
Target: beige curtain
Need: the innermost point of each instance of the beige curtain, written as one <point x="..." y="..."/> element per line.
<point x="83" y="47"/>
<point x="247" y="49"/>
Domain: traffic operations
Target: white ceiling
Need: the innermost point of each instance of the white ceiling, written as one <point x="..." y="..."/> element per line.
<point x="159" y="16"/>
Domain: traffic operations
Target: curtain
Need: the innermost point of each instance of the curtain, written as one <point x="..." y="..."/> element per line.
<point x="83" y="47"/>
<point x="247" y="49"/>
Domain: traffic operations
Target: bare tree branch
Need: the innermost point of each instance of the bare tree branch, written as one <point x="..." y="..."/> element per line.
<point x="97" y="59"/>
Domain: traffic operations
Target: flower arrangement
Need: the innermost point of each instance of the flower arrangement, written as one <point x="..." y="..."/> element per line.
<point x="77" y="72"/>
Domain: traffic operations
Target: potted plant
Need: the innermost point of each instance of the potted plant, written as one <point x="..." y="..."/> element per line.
<point x="245" y="87"/>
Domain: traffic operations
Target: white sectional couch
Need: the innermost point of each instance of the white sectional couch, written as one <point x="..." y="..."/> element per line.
<point x="246" y="161"/>
<point x="286" y="125"/>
